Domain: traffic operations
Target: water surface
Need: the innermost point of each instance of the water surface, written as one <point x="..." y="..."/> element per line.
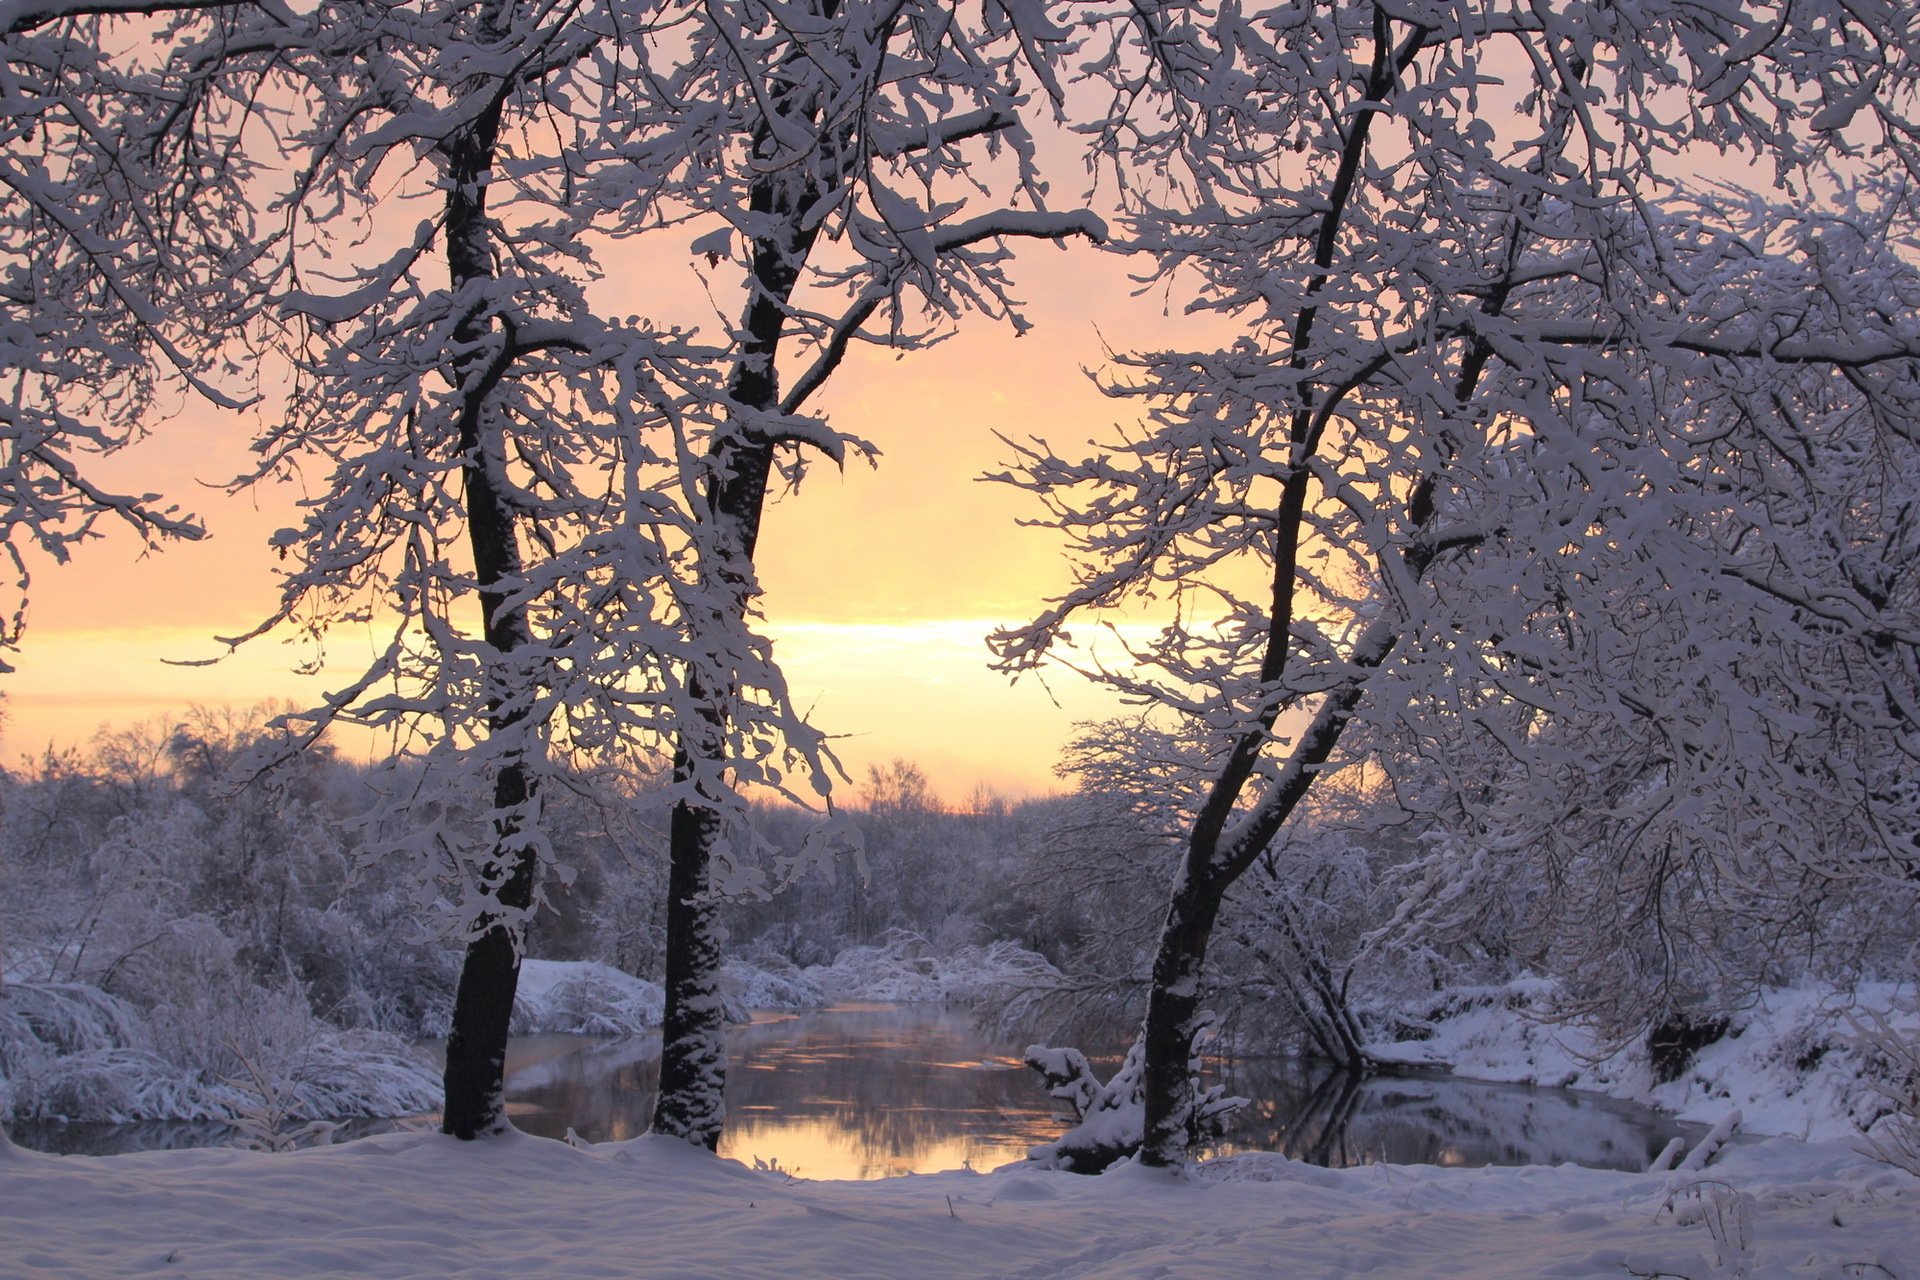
<point x="880" y="1090"/>
<point x="859" y="1091"/>
<point x="875" y="1091"/>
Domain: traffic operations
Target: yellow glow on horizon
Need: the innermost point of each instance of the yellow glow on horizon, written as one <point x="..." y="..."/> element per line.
<point x="918" y="690"/>
<point x="880" y="582"/>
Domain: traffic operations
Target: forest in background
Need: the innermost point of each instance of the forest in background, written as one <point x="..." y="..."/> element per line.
<point x="184" y="941"/>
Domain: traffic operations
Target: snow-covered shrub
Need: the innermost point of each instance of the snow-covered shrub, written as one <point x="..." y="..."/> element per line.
<point x="263" y="1117"/>
<point x="333" y="1075"/>
<point x="63" y="1017"/>
<point x="906" y="968"/>
<point x="1893" y="1047"/>
<point x="770" y="982"/>
<point x="174" y="924"/>
<point x="585" y="998"/>
<point x="113" y="1084"/>
<point x="68" y="1049"/>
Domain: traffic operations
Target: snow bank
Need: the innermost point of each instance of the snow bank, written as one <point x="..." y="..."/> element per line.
<point x="587" y="997"/>
<point x="69" y="1051"/>
<point x="906" y="969"/>
<point x="584" y="997"/>
<point x="407" y="1205"/>
<point x="1793" y="1064"/>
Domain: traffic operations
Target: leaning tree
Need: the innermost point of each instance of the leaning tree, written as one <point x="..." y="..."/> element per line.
<point x="1527" y="453"/>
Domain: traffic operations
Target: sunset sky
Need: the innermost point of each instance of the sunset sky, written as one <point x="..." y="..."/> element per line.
<point x="880" y="583"/>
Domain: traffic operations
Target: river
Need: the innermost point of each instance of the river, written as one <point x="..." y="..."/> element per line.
<point x="874" y="1091"/>
<point x="877" y="1091"/>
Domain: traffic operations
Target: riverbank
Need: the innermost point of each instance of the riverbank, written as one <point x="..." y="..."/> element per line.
<point x="416" y="1205"/>
<point x="1797" y="1062"/>
<point x="73" y="1052"/>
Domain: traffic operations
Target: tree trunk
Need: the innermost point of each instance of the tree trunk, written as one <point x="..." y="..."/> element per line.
<point x="1216" y="860"/>
<point x="475" y="1078"/>
<point x="693" y="1058"/>
<point x="693" y="1052"/>
<point x="490" y="971"/>
<point x="1173" y="1012"/>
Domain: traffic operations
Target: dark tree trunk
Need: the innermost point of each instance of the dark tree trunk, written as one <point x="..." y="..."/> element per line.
<point x="693" y="1062"/>
<point x="490" y="971"/>
<point x="1216" y="858"/>
<point x="475" y="1075"/>
<point x="1173" y="1013"/>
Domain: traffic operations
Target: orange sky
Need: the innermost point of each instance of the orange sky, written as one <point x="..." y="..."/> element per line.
<point x="880" y="583"/>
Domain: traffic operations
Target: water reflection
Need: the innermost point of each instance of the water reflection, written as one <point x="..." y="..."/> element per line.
<point x="1331" y="1118"/>
<point x="877" y="1091"/>
<point x="853" y="1092"/>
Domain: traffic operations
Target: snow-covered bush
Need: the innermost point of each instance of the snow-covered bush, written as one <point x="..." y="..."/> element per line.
<point x="70" y="1051"/>
<point x="770" y="982"/>
<point x="174" y="926"/>
<point x="1111" y="1117"/>
<point x="1892" y="1046"/>
<point x="584" y="998"/>
<point x="906" y="968"/>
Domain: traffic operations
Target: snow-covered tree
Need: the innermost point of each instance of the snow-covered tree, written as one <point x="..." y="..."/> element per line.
<point x="547" y="511"/>
<point x="876" y="125"/>
<point x="1524" y="446"/>
<point x="484" y="437"/>
<point x="107" y="224"/>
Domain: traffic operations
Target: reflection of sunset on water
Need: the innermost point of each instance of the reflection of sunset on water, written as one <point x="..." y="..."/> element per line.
<point x="859" y="1092"/>
<point x="876" y="1091"/>
<point x="826" y="1150"/>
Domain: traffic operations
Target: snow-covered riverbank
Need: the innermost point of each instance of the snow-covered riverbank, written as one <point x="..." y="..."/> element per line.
<point x="590" y="998"/>
<point x="406" y="1205"/>
<point x="1791" y="1065"/>
<point x="1794" y="1063"/>
<point x="71" y="1051"/>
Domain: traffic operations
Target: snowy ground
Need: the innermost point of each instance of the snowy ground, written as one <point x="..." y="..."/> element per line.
<point x="423" y="1205"/>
